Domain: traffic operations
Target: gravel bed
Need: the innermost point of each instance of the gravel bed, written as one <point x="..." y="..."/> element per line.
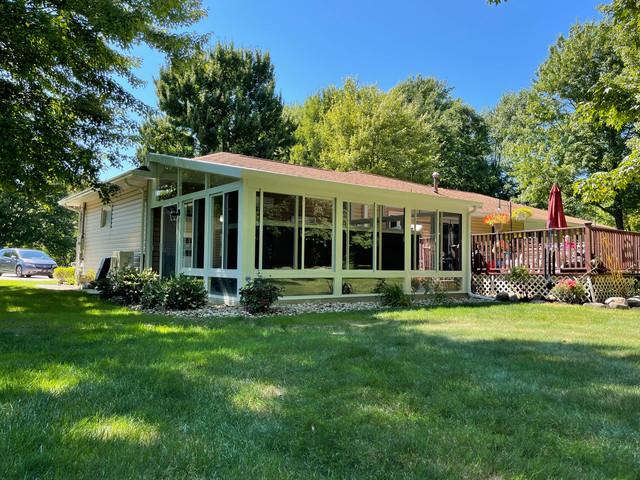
<point x="292" y="309"/>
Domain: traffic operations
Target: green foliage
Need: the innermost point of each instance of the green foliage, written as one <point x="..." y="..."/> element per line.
<point x="63" y="112"/>
<point x="392" y="294"/>
<point x="519" y="273"/>
<point x="184" y="293"/>
<point x="154" y="294"/>
<point x="568" y="290"/>
<point x="219" y="100"/>
<point x="160" y="135"/>
<point x="458" y="137"/>
<point x="409" y="132"/>
<point x="175" y="293"/>
<point x="542" y="136"/>
<point x="65" y="275"/>
<point x="259" y="294"/>
<point x="435" y="291"/>
<point x="126" y="284"/>
<point x="38" y="223"/>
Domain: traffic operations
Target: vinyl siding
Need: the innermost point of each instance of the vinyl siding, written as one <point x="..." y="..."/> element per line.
<point x="124" y="233"/>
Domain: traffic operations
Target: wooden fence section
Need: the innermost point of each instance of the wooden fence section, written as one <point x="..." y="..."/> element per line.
<point x="559" y="251"/>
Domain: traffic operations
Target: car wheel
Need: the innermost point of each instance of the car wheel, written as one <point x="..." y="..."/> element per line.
<point x="19" y="271"/>
<point x="28" y="276"/>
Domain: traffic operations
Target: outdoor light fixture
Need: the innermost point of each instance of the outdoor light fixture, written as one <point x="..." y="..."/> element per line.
<point x="436" y="181"/>
<point x="174" y="214"/>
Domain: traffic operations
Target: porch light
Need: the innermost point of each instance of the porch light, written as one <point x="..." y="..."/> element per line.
<point x="436" y="181"/>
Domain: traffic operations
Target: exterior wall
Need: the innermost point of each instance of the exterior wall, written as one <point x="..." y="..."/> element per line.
<point x="124" y="233"/>
<point x="255" y="182"/>
<point x="247" y="183"/>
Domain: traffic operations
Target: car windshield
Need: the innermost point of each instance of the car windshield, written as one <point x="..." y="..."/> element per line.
<point x="35" y="254"/>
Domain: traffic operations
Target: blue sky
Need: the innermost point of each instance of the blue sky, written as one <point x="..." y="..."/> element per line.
<point x="481" y="51"/>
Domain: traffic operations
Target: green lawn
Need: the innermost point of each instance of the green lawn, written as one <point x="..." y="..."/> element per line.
<point x="90" y="390"/>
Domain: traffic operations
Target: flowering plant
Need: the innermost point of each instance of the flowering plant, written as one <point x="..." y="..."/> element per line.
<point x="496" y="219"/>
<point x="521" y="214"/>
<point x="569" y="290"/>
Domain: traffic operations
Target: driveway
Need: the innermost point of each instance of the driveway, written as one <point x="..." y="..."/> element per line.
<point x="11" y="276"/>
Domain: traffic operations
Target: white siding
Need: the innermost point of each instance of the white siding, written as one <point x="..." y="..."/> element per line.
<point x="124" y="233"/>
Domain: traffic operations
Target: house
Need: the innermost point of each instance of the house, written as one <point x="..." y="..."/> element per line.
<point x="226" y="218"/>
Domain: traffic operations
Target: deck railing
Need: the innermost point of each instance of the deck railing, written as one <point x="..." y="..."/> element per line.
<point x="558" y="251"/>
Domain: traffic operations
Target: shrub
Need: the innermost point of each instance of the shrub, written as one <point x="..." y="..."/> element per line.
<point x="259" y="294"/>
<point x="65" y="275"/>
<point x="392" y="295"/>
<point x="182" y="293"/>
<point x="126" y="284"/>
<point x="520" y="275"/>
<point x="435" y="291"/>
<point x="154" y="294"/>
<point x="569" y="290"/>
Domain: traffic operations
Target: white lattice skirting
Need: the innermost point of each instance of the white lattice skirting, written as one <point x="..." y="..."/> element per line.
<point x="599" y="287"/>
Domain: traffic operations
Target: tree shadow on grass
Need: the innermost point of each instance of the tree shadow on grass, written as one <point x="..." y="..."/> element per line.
<point x="291" y="397"/>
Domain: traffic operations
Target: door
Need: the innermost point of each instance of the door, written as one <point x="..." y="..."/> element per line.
<point x="170" y="216"/>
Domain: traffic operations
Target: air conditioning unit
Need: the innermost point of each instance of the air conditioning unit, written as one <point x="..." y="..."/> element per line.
<point x="121" y="259"/>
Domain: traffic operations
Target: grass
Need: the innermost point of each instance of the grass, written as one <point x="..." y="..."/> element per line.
<point x="91" y="390"/>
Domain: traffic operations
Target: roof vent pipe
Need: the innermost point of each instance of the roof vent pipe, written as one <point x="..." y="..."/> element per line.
<point x="436" y="181"/>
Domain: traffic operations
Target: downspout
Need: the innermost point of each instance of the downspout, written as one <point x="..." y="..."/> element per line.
<point x="472" y="210"/>
<point x="143" y="233"/>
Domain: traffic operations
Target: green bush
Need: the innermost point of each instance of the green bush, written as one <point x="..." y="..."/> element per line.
<point x="392" y="295"/>
<point x="435" y="291"/>
<point x="65" y="275"/>
<point x="183" y="293"/>
<point x="569" y="290"/>
<point x="154" y="294"/>
<point x="126" y="284"/>
<point x="259" y="294"/>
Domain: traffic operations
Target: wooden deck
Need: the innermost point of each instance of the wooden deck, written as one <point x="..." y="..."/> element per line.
<point x="559" y="251"/>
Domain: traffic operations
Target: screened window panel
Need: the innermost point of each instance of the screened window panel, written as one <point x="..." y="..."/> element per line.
<point x="390" y="238"/>
<point x="192" y="181"/>
<point x="318" y="233"/>
<point x="357" y="236"/>
<point x="423" y="240"/>
<point x="451" y="242"/>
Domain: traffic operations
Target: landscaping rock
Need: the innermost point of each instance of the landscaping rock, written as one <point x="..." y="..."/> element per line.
<point x="513" y="297"/>
<point x="502" y="297"/>
<point x="633" y="302"/>
<point x="621" y="300"/>
<point x="594" y="305"/>
<point x="538" y="298"/>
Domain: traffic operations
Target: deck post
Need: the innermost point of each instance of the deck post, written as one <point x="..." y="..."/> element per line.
<point x="587" y="246"/>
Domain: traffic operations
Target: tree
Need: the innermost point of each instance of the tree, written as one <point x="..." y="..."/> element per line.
<point x="409" y="132"/>
<point x="225" y="100"/>
<point x="40" y="223"/>
<point x="548" y="139"/>
<point x="159" y="134"/>
<point x="361" y="128"/>
<point x="63" y="112"/>
<point x="458" y="135"/>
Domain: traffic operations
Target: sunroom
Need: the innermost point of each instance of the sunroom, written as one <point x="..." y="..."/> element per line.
<point x="227" y="218"/>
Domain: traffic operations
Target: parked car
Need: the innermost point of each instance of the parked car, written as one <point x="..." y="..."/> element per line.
<point x="25" y="262"/>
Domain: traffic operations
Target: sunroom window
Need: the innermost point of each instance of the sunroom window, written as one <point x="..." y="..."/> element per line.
<point x="390" y="238"/>
<point x="192" y="181"/>
<point x="224" y="227"/>
<point x="167" y="182"/>
<point x="357" y="236"/>
<point x="451" y="242"/>
<point x="423" y="240"/>
<point x="296" y="231"/>
<point x="193" y="238"/>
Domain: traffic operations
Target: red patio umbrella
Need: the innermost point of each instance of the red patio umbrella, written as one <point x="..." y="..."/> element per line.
<point x="555" y="212"/>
